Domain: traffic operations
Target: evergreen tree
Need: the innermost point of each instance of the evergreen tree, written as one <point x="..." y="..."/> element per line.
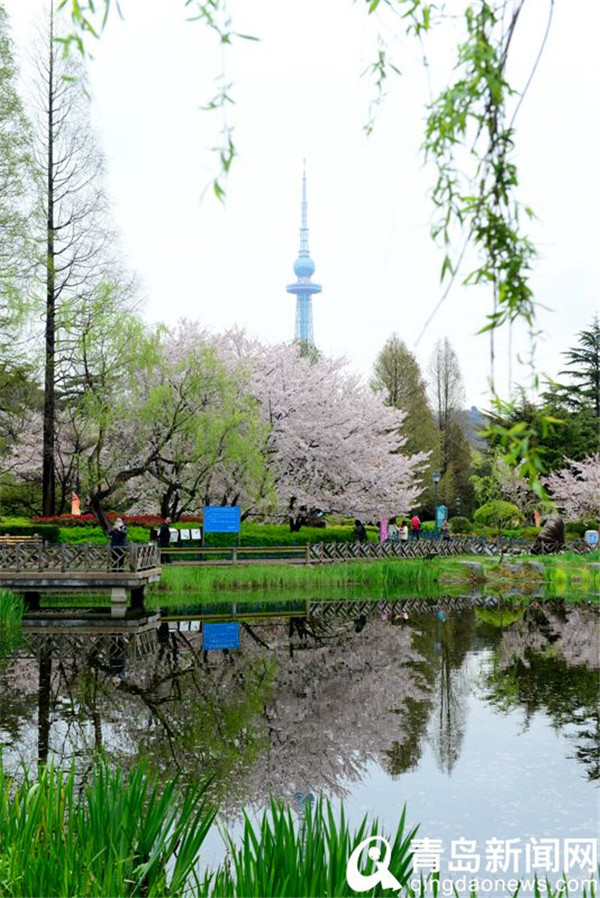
<point x="456" y="482"/>
<point x="583" y="368"/>
<point x="396" y="373"/>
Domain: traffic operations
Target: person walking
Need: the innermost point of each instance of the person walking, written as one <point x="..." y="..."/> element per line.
<point x="403" y="532"/>
<point x="118" y="543"/>
<point x="164" y="538"/>
<point x="392" y="531"/>
<point x="415" y="527"/>
<point x="445" y="529"/>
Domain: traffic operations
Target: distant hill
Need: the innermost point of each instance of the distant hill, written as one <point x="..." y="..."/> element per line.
<point x="472" y="420"/>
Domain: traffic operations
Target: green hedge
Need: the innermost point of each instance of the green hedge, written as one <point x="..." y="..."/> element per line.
<point x="280" y="535"/>
<point x="97" y="536"/>
<point x="50" y="533"/>
<point x="251" y="535"/>
<point x="576" y="529"/>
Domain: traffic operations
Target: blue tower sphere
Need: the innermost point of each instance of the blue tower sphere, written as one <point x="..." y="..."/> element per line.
<point x="304" y="267"/>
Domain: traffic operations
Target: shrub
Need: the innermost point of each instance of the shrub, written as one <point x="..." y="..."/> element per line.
<point x="50" y="533"/>
<point x="97" y="536"/>
<point x="498" y="512"/>
<point x="460" y="525"/>
<point x="576" y="529"/>
<point x="280" y="535"/>
<point x="87" y="520"/>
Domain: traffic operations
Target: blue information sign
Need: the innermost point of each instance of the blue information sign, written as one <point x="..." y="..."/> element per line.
<point x="221" y="636"/>
<point x="222" y="519"/>
<point x="440" y="516"/>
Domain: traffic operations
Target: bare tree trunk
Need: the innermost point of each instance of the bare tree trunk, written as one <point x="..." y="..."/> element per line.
<point x="48" y="475"/>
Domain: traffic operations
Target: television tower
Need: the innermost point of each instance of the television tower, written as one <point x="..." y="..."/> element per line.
<point x="303" y="289"/>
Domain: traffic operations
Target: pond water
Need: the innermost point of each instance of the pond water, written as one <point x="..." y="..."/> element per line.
<point x="481" y="716"/>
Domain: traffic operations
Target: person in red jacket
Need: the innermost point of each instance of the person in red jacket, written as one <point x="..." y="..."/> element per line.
<point x="415" y="527"/>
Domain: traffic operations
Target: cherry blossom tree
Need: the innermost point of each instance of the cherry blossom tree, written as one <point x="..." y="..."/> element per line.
<point x="576" y="488"/>
<point x="333" y="443"/>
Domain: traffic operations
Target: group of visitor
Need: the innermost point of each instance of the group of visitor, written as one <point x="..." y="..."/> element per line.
<point x="402" y="533"/>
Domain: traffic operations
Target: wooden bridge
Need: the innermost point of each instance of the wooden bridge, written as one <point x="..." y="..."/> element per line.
<point x="36" y="568"/>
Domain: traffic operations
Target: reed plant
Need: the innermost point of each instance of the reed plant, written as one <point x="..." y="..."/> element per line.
<point x="283" y="858"/>
<point x="11" y="615"/>
<point x="11" y="610"/>
<point x="131" y="836"/>
<point x="380" y="576"/>
<point x="117" y="836"/>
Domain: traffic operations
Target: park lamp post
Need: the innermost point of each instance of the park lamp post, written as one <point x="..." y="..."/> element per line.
<point x="436" y="480"/>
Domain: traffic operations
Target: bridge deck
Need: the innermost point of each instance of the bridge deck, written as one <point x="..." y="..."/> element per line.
<point x="48" y="580"/>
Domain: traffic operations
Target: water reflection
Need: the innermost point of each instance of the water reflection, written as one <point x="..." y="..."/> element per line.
<point x="312" y="701"/>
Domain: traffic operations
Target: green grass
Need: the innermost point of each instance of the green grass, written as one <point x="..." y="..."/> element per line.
<point x="439" y="575"/>
<point x="11" y="615"/>
<point x="11" y="609"/>
<point x="379" y="576"/>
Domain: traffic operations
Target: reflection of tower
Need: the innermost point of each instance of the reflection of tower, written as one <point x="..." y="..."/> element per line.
<point x="303" y="288"/>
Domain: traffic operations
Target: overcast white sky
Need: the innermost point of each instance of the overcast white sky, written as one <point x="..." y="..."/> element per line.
<point x="299" y="94"/>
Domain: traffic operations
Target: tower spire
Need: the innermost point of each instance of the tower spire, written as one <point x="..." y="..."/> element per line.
<point x="303" y="214"/>
<point x="304" y="268"/>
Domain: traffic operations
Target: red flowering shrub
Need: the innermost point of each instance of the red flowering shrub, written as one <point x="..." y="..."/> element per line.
<point x="87" y="520"/>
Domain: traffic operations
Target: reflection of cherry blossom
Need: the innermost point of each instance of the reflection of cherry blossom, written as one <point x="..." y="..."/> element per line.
<point x="574" y="637"/>
<point x="277" y="719"/>
<point x="336" y="706"/>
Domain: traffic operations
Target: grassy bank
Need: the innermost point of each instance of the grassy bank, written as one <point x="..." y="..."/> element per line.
<point x="379" y="577"/>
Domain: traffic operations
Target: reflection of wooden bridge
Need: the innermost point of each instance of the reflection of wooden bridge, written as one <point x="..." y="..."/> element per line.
<point x="327" y="610"/>
<point x="33" y="569"/>
<point x="348" y="609"/>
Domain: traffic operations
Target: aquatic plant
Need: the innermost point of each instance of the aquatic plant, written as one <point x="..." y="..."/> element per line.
<point x="379" y="575"/>
<point x="116" y="836"/>
<point x="134" y="836"/>
<point x="11" y="615"/>
<point x="280" y="857"/>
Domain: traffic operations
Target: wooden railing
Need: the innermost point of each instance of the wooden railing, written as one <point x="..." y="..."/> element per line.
<point x="233" y="554"/>
<point x="425" y="548"/>
<point x="23" y="558"/>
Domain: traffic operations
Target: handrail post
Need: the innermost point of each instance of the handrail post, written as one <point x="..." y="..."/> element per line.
<point x="307" y="553"/>
<point x="234" y="554"/>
